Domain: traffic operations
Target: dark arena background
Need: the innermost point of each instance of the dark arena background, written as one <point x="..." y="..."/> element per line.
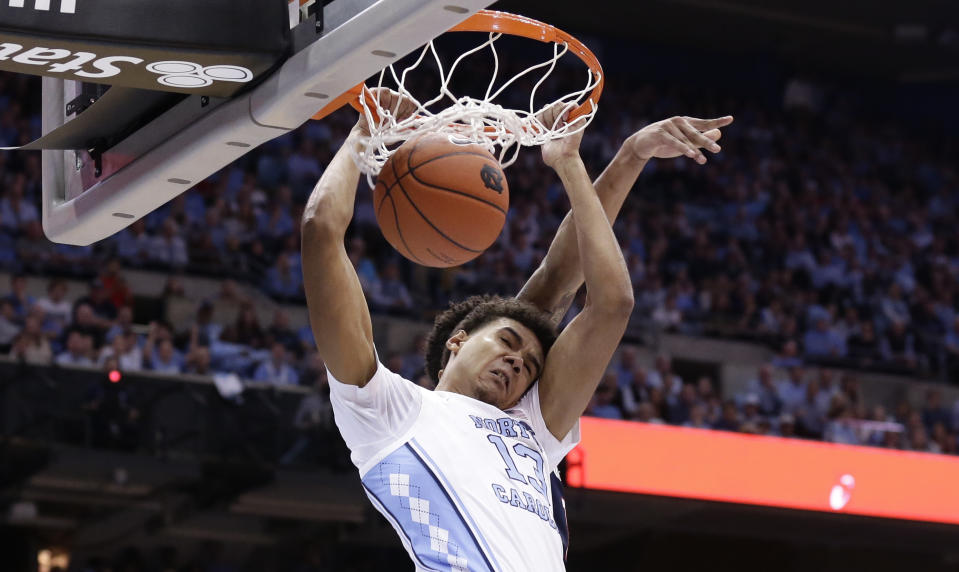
<point x="162" y="407"/>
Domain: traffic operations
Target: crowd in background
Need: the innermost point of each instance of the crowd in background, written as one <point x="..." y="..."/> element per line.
<point x="828" y="235"/>
<point x="812" y="227"/>
<point x="785" y="398"/>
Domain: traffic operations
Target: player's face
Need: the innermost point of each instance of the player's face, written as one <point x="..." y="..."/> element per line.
<point x="495" y="364"/>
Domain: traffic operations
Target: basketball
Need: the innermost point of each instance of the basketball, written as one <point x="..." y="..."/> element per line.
<point x="441" y="203"/>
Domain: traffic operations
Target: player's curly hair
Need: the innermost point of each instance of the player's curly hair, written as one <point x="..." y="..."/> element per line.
<point x="477" y="311"/>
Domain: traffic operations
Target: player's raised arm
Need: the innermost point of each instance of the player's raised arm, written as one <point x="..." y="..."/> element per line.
<point x="554" y="284"/>
<point x="580" y="355"/>
<point x="339" y="315"/>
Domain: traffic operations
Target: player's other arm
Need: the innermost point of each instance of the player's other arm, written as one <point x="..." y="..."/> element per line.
<point x="338" y="312"/>
<point x="554" y="284"/>
<point x="580" y="355"/>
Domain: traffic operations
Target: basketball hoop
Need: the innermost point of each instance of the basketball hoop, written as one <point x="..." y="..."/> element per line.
<point x="470" y="119"/>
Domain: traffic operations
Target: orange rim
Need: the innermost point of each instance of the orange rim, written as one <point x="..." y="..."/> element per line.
<point x="505" y="23"/>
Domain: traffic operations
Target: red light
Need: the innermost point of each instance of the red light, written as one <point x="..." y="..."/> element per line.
<point x="115" y="376"/>
<point x="770" y="471"/>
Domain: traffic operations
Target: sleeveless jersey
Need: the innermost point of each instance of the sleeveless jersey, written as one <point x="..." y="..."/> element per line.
<point x="466" y="485"/>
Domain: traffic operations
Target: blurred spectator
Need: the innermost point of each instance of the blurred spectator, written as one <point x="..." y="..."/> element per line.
<point x="668" y="316"/>
<point x="276" y="222"/>
<point x="787" y="425"/>
<point x="647" y="413"/>
<point x="245" y="330"/>
<point x="18" y="297"/>
<point x="765" y="389"/>
<point x="392" y="294"/>
<point x="945" y="442"/>
<point x="115" y="284"/>
<point x="636" y="391"/>
<point x="934" y="412"/>
<point x="824" y="341"/>
<point x="602" y="404"/>
<point x="159" y="353"/>
<point x="919" y="441"/>
<point x="729" y="421"/>
<point x="792" y="391"/>
<point x="79" y="348"/>
<point x="198" y="361"/>
<point x="15" y="211"/>
<point x="663" y="377"/>
<point x="864" y="346"/>
<point x="697" y="417"/>
<point x="788" y="356"/>
<point x="284" y="281"/>
<point x="133" y="244"/>
<point x="679" y="407"/>
<point x="894" y="308"/>
<point x="122" y="325"/>
<point x="30" y="344"/>
<point x="98" y="300"/>
<point x="750" y="414"/>
<point x="839" y="427"/>
<point x="168" y="249"/>
<point x="809" y="415"/>
<point x="898" y="346"/>
<point x="33" y="249"/>
<point x="625" y="365"/>
<point x="276" y="369"/>
<point x="710" y="398"/>
<point x="208" y="332"/>
<point x="8" y="324"/>
<point x="57" y="310"/>
<point x="125" y="351"/>
<point x="87" y="322"/>
<point x="281" y="331"/>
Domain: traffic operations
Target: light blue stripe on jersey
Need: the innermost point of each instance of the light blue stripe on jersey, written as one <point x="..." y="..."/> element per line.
<point x="434" y="468"/>
<point x="413" y="498"/>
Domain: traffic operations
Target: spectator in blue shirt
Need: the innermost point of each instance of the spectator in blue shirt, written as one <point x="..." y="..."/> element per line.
<point x="824" y="341"/>
<point x="603" y="402"/>
<point x="276" y="369"/>
<point x="15" y="210"/>
<point x="19" y="299"/>
<point x="764" y="387"/>
<point x="792" y="392"/>
<point x="283" y="280"/>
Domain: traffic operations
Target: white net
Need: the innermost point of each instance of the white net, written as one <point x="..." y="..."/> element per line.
<point x="467" y="118"/>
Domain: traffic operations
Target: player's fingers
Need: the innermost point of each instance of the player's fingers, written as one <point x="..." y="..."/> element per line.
<point x="552" y="115"/>
<point x="691" y="150"/>
<point x="707" y="124"/>
<point x="694" y="136"/>
<point x="674" y="139"/>
<point x="713" y="134"/>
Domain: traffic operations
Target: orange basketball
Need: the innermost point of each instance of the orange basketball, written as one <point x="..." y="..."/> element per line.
<point x="441" y="203"/>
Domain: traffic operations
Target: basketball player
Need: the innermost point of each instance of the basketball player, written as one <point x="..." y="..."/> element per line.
<point x="465" y="473"/>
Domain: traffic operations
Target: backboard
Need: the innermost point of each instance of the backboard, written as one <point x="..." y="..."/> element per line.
<point x="93" y="189"/>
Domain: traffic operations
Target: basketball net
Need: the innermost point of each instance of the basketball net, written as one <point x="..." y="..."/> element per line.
<point x="467" y="119"/>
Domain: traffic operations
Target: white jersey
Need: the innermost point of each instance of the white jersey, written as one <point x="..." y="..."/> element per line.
<point x="465" y="484"/>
